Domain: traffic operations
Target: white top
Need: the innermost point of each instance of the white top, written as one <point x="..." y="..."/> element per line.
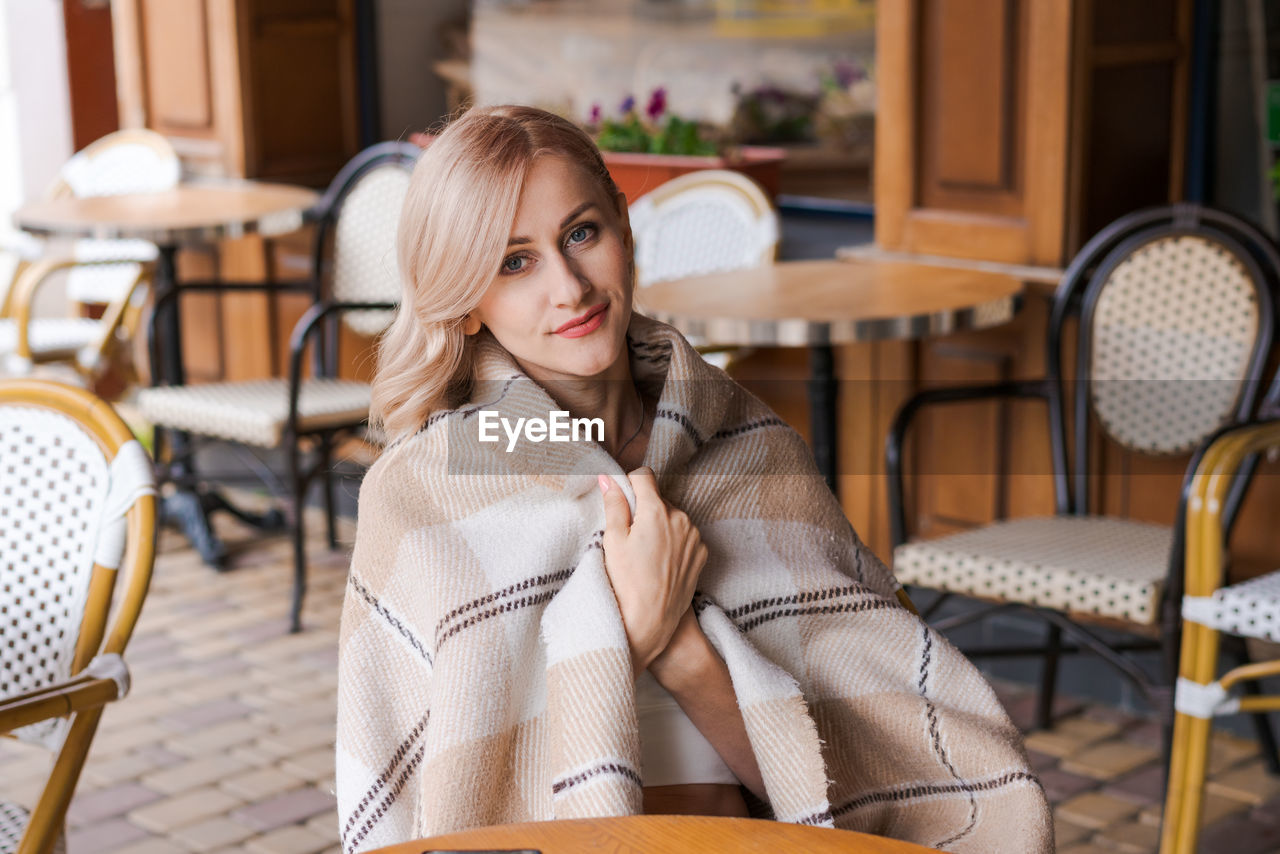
<point x="672" y="750"/>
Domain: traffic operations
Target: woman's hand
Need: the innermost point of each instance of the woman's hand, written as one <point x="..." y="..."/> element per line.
<point x="653" y="562"/>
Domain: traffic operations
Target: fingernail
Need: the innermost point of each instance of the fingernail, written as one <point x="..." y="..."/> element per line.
<point x="603" y="483"/>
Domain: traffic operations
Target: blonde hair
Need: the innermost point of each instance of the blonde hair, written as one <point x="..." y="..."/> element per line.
<point x="451" y="240"/>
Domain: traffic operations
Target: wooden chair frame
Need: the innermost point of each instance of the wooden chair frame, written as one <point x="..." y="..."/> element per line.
<point x="119" y="314"/>
<point x="1226" y="462"/>
<point x="98" y="672"/>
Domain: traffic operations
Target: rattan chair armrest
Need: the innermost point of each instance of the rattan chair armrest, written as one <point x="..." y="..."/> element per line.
<point x="1029" y="389"/>
<point x="105" y="679"/>
<point x="28" y="284"/>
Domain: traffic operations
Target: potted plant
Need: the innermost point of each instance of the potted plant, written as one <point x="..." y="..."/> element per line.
<point x="643" y="152"/>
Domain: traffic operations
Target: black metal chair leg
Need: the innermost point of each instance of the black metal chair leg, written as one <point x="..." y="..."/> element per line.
<point x="300" y="482"/>
<point x="1048" y="678"/>
<point x="326" y="478"/>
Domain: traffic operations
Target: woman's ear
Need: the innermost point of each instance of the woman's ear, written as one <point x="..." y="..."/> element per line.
<point x="470" y="325"/>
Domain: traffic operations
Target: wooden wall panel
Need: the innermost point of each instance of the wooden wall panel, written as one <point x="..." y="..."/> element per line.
<point x="300" y="88"/>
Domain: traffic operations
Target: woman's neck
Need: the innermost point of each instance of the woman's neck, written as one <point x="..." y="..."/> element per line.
<point x="615" y="400"/>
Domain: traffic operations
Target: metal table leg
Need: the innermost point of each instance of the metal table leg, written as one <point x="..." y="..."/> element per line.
<point x="822" y="411"/>
<point x="184" y="506"/>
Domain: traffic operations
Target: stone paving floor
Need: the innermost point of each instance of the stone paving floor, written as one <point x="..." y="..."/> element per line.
<point x="226" y="741"/>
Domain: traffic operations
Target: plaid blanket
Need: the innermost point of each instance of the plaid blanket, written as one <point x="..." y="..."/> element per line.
<point x="484" y="673"/>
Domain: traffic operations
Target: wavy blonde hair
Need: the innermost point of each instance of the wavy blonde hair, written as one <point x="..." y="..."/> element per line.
<point x="451" y="240"/>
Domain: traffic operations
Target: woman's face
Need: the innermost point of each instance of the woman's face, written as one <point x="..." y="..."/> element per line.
<point x="561" y="301"/>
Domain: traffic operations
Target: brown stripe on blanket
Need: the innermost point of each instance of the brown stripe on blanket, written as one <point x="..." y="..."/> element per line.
<point x="925" y="790"/>
<point x="466" y="412"/>
<point x="504" y="608"/>
<point x="758" y="424"/>
<point x="615" y="768"/>
<point x="391" y="619"/>
<point x="519" y="586"/>
<point x="387" y="800"/>
<point x="797" y="599"/>
<point x="513" y="605"/>
<point x="801" y="611"/>
<point x="401" y="752"/>
<point x="683" y="420"/>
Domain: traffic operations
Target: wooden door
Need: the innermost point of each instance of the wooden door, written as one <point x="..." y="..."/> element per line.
<point x="91" y="75"/>
<point x="971" y="128"/>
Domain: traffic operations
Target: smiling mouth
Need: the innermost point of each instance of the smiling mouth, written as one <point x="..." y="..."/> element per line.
<point x="584" y="319"/>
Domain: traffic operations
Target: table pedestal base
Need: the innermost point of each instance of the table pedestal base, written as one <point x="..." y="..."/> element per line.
<point x="189" y="509"/>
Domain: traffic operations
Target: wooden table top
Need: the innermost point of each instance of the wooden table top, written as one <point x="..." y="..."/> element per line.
<point x="659" y="834"/>
<point x="198" y="212"/>
<point x="795" y="303"/>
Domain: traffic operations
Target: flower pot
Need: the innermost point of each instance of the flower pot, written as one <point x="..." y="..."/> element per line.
<point x="636" y="173"/>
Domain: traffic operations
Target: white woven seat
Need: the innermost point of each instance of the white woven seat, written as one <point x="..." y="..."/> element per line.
<point x="13" y="820"/>
<point x="1250" y="608"/>
<point x="52" y="336"/>
<point x="255" y="411"/>
<point x="1092" y="565"/>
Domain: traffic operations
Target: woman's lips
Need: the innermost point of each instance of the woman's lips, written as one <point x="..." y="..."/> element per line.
<point x="589" y="323"/>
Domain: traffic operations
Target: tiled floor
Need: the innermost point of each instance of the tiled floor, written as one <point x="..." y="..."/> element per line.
<point x="225" y="743"/>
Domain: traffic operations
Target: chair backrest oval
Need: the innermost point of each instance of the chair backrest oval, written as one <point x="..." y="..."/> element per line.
<point x="69" y="473"/>
<point x="364" y="251"/>
<point x="359" y="216"/>
<point x="127" y="161"/>
<point x="1172" y="328"/>
<point x="710" y="221"/>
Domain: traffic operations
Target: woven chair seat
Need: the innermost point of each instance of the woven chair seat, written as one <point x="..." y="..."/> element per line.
<point x="13" y="819"/>
<point x="52" y="336"/>
<point x="254" y="412"/>
<point x="1250" y="608"/>
<point x="1092" y="565"/>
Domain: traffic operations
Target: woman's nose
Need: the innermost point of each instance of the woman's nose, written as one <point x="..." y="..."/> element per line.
<point x="569" y="284"/>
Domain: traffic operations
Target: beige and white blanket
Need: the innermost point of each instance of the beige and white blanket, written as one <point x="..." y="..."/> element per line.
<point x="484" y="674"/>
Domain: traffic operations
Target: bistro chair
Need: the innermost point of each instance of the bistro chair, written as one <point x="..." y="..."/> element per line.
<point x="1175" y="309"/>
<point x="354" y="279"/>
<point x="110" y="275"/>
<point x="77" y="530"/>
<point x="1210" y="609"/>
<point x="709" y="221"/>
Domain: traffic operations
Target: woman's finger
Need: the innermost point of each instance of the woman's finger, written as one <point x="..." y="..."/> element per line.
<point x="617" y="513"/>
<point x="645" y="484"/>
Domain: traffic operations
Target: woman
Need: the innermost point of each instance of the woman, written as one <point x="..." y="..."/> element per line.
<point x="530" y="632"/>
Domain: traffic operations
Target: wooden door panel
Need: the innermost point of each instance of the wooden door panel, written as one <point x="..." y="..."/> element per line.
<point x="175" y="45"/>
<point x="969" y="158"/>
<point x="971" y="127"/>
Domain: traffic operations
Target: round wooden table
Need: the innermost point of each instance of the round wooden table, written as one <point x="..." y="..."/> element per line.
<point x="659" y="834"/>
<point x="822" y="303"/>
<point x="191" y="214"/>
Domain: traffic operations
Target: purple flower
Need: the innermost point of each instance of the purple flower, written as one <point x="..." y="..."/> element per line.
<point x="657" y="104"/>
<point x="628" y="104"/>
<point x="847" y="74"/>
<point x="595" y="114"/>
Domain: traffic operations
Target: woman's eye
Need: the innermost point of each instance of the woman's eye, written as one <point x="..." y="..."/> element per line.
<point x="580" y="234"/>
<point x="514" y="264"/>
